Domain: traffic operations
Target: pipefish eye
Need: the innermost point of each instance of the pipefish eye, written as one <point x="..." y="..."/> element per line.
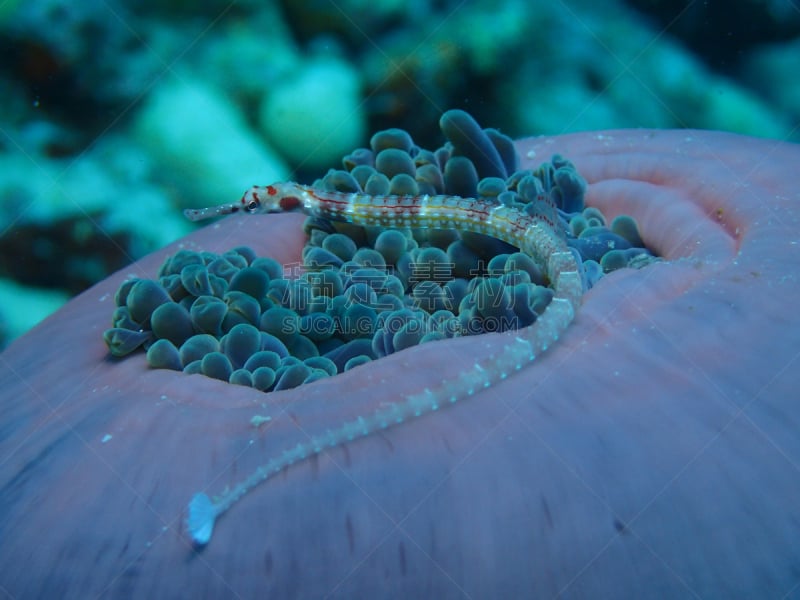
<point x="253" y="205"/>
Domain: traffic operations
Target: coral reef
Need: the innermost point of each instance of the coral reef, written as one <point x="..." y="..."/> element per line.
<point x="109" y="112"/>
<point x="209" y="132"/>
<point x="313" y="133"/>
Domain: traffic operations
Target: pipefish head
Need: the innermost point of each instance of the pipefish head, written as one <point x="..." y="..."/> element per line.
<point x="258" y="199"/>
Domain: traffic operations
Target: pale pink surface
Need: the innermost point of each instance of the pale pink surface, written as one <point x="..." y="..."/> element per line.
<point x="654" y="450"/>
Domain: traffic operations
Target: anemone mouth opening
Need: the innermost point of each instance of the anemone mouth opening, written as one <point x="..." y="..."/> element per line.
<point x="673" y="224"/>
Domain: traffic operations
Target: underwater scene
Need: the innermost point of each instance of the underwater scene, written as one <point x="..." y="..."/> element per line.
<point x="175" y="106"/>
<point x="448" y="299"/>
